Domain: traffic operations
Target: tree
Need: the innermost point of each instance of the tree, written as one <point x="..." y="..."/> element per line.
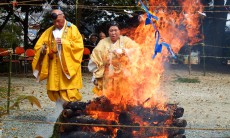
<point x="20" y="16"/>
<point x="99" y="13"/>
<point x="8" y="37"/>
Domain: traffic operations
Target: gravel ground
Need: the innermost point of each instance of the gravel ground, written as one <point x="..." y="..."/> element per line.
<point x="206" y="104"/>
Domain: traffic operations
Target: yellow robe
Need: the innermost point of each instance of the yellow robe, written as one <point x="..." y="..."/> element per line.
<point x="56" y="70"/>
<point x="101" y="57"/>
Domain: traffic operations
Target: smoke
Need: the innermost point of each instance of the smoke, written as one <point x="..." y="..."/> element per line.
<point x="59" y="107"/>
<point x="46" y="130"/>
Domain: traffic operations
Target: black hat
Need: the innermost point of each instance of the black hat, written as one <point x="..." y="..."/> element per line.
<point x="54" y="15"/>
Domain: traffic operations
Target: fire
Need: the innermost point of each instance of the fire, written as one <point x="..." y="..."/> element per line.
<point x="104" y="115"/>
<point x="177" y="26"/>
<point x="140" y="78"/>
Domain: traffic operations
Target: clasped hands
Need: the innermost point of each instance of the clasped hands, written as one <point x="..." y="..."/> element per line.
<point x="44" y="47"/>
<point x="119" y="52"/>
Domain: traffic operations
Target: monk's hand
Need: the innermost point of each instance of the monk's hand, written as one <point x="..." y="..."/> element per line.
<point x="119" y="52"/>
<point x="44" y="49"/>
<point x="58" y="40"/>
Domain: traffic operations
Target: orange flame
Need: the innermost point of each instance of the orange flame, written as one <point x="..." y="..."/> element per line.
<point x="141" y="76"/>
<point x="139" y="82"/>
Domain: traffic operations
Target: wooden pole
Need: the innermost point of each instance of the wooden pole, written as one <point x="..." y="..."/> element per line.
<point x="76" y="4"/>
<point x="203" y="45"/>
<point x="14" y="3"/>
<point x="9" y="80"/>
<point x="189" y="60"/>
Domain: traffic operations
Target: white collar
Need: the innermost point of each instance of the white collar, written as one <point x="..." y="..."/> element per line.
<point x="58" y="32"/>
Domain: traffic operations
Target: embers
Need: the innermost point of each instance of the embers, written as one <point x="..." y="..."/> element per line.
<point x="92" y="119"/>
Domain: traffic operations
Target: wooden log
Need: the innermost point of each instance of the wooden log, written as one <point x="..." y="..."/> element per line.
<point x="179" y="136"/>
<point x="125" y="118"/>
<point x="178" y="112"/>
<point x="76" y="105"/>
<point x="83" y="119"/>
<point x="79" y="112"/>
<point x="179" y="122"/>
<point x="175" y="131"/>
<point x="81" y="134"/>
<point x="148" y="114"/>
<point x="68" y="113"/>
<point x="124" y="134"/>
<point x="154" y="116"/>
<point x="100" y="104"/>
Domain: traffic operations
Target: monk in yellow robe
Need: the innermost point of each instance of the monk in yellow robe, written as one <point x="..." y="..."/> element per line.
<point x="58" y="55"/>
<point x="109" y="59"/>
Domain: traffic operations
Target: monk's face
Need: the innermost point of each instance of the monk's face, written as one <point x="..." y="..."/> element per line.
<point x="59" y="21"/>
<point x="114" y="33"/>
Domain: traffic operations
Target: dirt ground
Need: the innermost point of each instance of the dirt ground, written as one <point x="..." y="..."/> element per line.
<point x="206" y="104"/>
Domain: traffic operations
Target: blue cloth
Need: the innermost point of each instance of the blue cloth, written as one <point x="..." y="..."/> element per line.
<point x="149" y="15"/>
<point x="158" y="47"/>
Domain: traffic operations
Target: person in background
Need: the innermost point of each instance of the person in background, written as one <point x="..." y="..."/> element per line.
<point x="58" y="56"/>
<point x="102" y="35"/>
<point x="85" y="56"/>
<point x="92" y="42"/>
<point x="105" y="60"/>
<point x="84" y="38"/>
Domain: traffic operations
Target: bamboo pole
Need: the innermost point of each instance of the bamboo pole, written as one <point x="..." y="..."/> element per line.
<point x="10" y="63"/>
<point x="9" y="80"/>
<point x="76" y="4"/>
<point x="189" y="60"/>
<point x="204" y="66"/>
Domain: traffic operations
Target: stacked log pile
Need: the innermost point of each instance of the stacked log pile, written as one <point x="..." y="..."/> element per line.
<point x="78" y="121"/>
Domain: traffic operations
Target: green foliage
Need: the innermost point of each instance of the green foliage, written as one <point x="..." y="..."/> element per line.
<point x="16" y="102"/>
<point x="187" y="80"/>
<point x="33" y="101"/>
<point x="11" y="34"/>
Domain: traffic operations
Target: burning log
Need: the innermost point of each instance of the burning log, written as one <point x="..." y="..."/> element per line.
<point x="76" y="105"/>
<point x="83" y="119"/>
<point x="68" y="113"/>
<point x="89" y="120"/>
<point x="124" y="134"/>
<point x="178" y="136"/>
<point x="125" y="118"/>
<point x="81" y="134"/>
<point x="96" y="111"/>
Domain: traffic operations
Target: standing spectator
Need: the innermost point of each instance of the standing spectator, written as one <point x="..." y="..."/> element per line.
<point x="84" y="39"/>
<point x="85" y="56"/>
<point x="102" y="35"/>
<point x="58" y="55"/>
<point x="93" y="40"/>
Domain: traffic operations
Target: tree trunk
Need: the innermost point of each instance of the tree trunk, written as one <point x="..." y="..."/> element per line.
<point x="25" y="29"/>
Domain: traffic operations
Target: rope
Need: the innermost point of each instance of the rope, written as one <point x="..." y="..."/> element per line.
<point x="118" y="6"/>
<point x="124" y="126"/>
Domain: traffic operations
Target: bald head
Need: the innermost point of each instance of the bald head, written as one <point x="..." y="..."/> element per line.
<point x="58" y="18"/>
<point x="57" y="11"/>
